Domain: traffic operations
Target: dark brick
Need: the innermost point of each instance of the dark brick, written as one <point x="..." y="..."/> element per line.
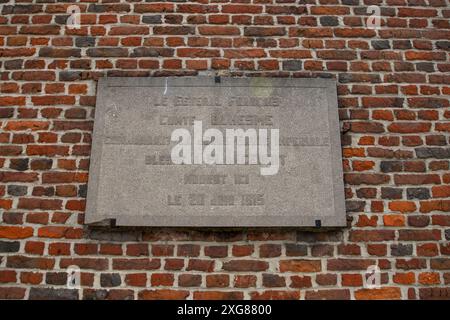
<point x="351" y="77"/>
<point x="61" y="19"/>
<point x="56" y="278"/>
<point x="27" y="9"/>
<point x="355" y="206"/>
<point x="53" y="294"/>
<point x="174" y="30"/>
<point x="273" y="280"/>
<point x="293" y="249"/>
<point x="82" y="191"/>
<point x="110" y="280"/>
<point x="7" y="9"/>
<point x="380" y="44"/>
<point x="19" y="164"/>
<point x="41" y="164"/>
<point x="95" y="294"/>
<point x="391" y="193"/>
<point x="97" y="8"/>
<point x="69" y="75"/>
<point x="350" y="2"/>
<point x="264" y="32"/>
<point x="418" y="193"/>
<point x="59" y="53"/>
<point x="305" y="236"/>
<point x="101" y="8"/>
<point x="391" y="166"/>
<point x="9" y="246"/>
<point x="425" y="66"/>
<point x="438" y="153"/>
<point x="22" y="9"/>
<point x="329" y="21"/>
<point x="13" y="64"/>
<point x="145" y="52"/>
<point x="15" y="190"/>
<point x="401" y="250"/>
<point x="292" y="65"/>
<point x="107" y="52"/>
<point x="445" y="45"/>
<point x="114" y="235"/>
<point x="385" y="11"/>
<point x="85" y="41"/>
<point x="112" y="294"/>
<point x="155" y="19"/>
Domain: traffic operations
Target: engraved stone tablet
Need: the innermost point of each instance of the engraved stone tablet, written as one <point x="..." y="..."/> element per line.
<point x="216" y="152"/>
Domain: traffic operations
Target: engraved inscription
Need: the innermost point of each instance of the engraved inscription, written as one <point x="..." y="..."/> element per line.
<point x="196" y="152"/>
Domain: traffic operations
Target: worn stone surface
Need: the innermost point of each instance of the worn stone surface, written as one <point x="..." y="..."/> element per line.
<point x="134" y="181"/>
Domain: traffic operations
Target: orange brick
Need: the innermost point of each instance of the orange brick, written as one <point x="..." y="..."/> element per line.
<point x="429" y="278"/>
<point x="402" y="206"/>
<point x="378" y="294"/>
<point x="13" y="232"/>
<point x="394" y="220"/>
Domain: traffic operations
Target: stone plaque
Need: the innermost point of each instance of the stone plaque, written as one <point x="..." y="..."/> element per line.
<point x="216" y="152"/>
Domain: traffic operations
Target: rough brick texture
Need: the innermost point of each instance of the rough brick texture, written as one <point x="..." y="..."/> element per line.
<point x="393" y="88"/>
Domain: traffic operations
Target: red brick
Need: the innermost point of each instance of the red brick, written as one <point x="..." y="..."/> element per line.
<point x="163" y="294"/>
<point x="410" y="127"/>
<point x="12" y="232"/>
<point x="11" y="101"/>
<point x="275" y="295"/>
<point x="136" y="279"/>
<point x="217" y="281"/>
<point x="59" y="249"/>
<point x="300" y="266"/>
<point x="12" y="293"/>
<point x="22" y="262"/>
<point x="441" y="191"/>
<point x="218" y="295"/>
<point x="244" y="281"/>
<point x="402" y="206"/>
<point x="154" y="7"/>
<point x="162" y="279"/>
<point x="31" y="277"/>
<point x="242" y="250"/>
<point x="245" y="265"/>
<point x="351" y="280"/>
<point x="378" y="294"/>
<point x="329" y="294"/>
<point x="429" y="278"/>
<point x="136" y="264"/>
<point x="8" y="276"/>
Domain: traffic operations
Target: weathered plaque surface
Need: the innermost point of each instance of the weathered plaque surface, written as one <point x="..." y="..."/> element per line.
<point x="134" y="180"/>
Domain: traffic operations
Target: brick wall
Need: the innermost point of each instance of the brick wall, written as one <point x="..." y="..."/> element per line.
<point x="393" y="87"/>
